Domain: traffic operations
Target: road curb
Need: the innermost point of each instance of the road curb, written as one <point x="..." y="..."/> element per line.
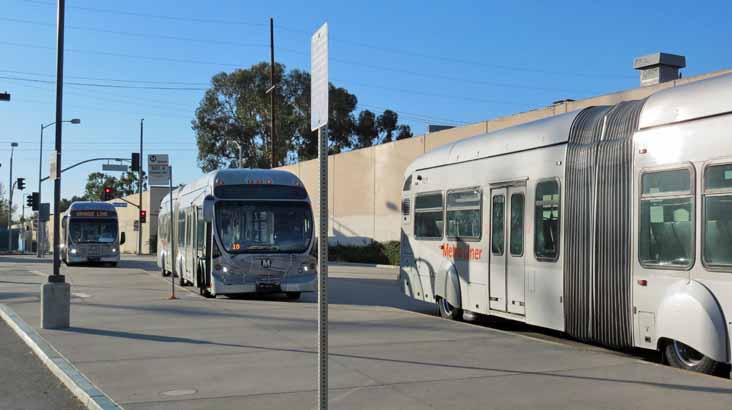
<point x="89" y="394"/>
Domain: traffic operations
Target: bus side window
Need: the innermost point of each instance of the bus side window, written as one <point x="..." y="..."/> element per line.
<point x="546" y="221"/>
<point x="717" y="225"/>
<point x="428" y="216"/>
<point x="666" y="230"/>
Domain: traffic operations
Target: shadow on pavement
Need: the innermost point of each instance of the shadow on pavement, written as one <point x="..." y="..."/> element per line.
<point x="28" y="259"/>
<point x="427" y="364"/>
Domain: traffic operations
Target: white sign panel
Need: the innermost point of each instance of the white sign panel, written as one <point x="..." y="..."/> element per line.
<point x="158" y="171"/>
<point x="319" y="78"/>
<point x="52" y="171"/>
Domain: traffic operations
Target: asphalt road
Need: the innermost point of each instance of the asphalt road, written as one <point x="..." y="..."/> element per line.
<point x="386" y="351"/>
<point x="25" y="382"/>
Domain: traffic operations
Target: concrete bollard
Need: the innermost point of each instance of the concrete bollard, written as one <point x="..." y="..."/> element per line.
<point x="55" y="303"/>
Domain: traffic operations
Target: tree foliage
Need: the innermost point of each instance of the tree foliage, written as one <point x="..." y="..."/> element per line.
<point x="237" y="108"/>
<point x="125" y="185"/>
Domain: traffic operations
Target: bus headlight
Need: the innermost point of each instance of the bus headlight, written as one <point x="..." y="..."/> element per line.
<point x="114" y="250"/>
<point x="73" y="251"/>
<point x="306" y="268"/>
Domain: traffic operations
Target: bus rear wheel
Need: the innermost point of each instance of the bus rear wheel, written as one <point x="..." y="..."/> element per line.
<point x="448" y="311"/>
<point x="685" y="357"/>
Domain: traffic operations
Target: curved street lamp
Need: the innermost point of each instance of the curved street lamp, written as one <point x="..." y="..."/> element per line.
<point x="39" y="232"/>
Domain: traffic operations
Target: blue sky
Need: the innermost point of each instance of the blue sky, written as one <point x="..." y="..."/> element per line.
<point x="432" y="61"/>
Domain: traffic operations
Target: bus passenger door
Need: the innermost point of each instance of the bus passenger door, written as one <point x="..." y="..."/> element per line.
<point x="497" y="284"/>
<point x="515" y="260"/>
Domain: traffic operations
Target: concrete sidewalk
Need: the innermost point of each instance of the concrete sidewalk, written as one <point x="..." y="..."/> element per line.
<point x="387" y="352"/>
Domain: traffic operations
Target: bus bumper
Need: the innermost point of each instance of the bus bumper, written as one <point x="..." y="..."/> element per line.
<point x="295" y="283"/>
<point x="85" y="259"/>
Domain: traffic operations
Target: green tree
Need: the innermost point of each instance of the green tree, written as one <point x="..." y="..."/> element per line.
<point x="387" y="123"/>
<point x="237" y="108"/>
<point x="366" y="129"/>
<point x="404" y="132"/>
<point x="95" y="184"/>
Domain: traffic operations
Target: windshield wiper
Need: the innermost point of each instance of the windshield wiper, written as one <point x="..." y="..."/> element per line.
<point x="262" y="247"/>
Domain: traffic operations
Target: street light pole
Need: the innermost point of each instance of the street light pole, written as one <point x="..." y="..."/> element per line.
<point x="59" y="119"/>
<point x="39" y="231"/>
<point x="10" y="198"/>
<point x="139" y="191"/>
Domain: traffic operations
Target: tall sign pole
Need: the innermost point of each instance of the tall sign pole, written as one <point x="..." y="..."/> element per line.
<point x="319" y="121"/>
<point x="139" y="200"/>
<point x="59" y="123"/>
<point x="272" y="90"/>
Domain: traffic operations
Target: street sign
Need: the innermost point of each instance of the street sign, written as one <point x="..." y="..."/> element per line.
<point x="115" y="167"/>
<point x="158" y="170"/>
<point x="52" y="172"/>
<point x="119" y="204"/>
<point x="319" y="78"/>
<point x="45" y="211"/>
<point x="319" y="121"/>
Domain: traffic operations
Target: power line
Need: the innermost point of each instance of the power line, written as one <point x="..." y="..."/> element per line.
<point x="134" y="87"/>
<point x="395" y="51"/>
<point x="139" y="35"/>
<point x="336" y="60"/>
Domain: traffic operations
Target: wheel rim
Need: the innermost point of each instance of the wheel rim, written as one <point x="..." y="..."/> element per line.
<point x="687" y="355"/>
<point x="446" y="306"/>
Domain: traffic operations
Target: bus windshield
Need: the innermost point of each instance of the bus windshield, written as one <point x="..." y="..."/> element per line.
<point x="92" y="231"/>
<point x="264" y="226"/>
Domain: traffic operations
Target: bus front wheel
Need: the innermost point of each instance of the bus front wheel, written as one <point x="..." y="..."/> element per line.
<point x="685" y="357"/>
<point x="448" y="311"/>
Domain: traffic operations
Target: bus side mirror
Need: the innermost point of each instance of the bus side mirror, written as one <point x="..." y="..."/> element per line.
<point x="208" y="208"/>
<point x="122" y="238"/>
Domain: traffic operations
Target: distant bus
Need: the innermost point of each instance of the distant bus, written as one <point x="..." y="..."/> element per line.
<point x="239" y="231"/>
<point x="612" y="224"/>
<point x="90" y="233"/>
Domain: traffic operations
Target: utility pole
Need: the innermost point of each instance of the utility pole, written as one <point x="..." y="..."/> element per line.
<point x="10" y="199"/>
<point x="272" y="90"/>
<point x="139" y="190"/>
<point x="59" y="129"/>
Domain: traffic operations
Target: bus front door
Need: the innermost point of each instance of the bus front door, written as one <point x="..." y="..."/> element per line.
<point x="507" y="273"/>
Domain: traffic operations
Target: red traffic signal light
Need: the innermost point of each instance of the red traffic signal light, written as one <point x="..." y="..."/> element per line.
<point x="107" y="195"/>
<point x="143" y="216"/>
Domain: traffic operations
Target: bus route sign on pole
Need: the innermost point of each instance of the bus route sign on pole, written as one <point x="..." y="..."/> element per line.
<point x="158" y="170"/>
<point x="319" y="121"/>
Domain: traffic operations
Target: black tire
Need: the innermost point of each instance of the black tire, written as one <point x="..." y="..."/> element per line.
<point x="448" y="311"/>
<point x="685" y="357"/>
<point x="293" y="295"/>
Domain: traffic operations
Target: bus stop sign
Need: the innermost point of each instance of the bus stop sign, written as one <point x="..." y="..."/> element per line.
<point x="158" y="170"/>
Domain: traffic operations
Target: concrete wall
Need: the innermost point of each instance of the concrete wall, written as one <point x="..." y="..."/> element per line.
<point x="365" y="185"/>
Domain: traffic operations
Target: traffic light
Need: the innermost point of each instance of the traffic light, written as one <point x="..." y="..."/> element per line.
<point x="35" y="201"/>
<point x="21" y="184"/>
<point x="143" y="216"/>
<point x="107" y="194"/>
<point x="29" y="202"/>
<point x="135" y="161"/>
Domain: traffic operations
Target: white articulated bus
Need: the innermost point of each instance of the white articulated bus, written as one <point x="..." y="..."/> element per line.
<point x="239" y="231"/>
<point x="89" y="233"/>
<point x="612" y="224"/>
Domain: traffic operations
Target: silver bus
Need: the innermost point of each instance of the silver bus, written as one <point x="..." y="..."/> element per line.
<point x="90" y="233"/>
<point x="239" y="231"/>
<point x="612" y="224"/>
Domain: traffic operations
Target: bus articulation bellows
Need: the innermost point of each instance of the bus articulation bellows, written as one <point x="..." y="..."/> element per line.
<point x="239" y="231"/>
<point x="612" y="224"/>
